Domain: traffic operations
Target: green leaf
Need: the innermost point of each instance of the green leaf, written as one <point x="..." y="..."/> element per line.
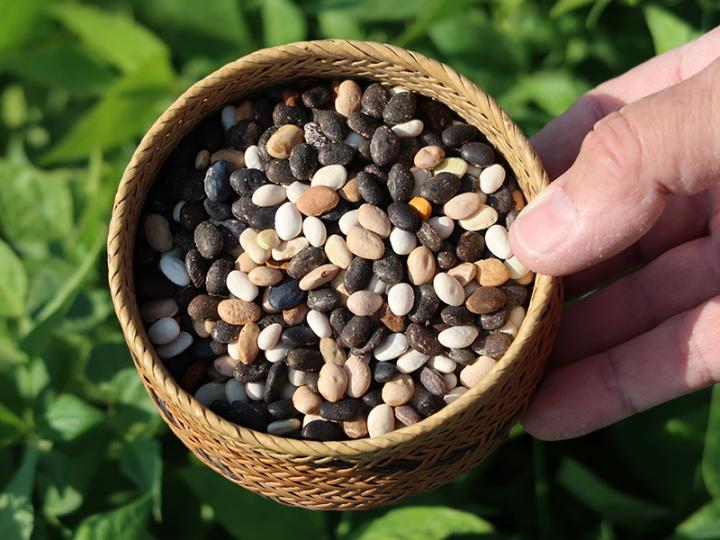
<point x="53" y="312"/>
<point x="711" y="454"/>
<point x="259" y="517"/>
<point x="140" y="460"/>
<point x="13" y="283"/>
<point x="17" y="23"/>
<point x="66" y="475"/>
<point x="59" y="65"/>
<point x="124" y="112"/>
<point x="67" y="417"/>
<point x="463" y="38"/>
<point x="335" y="24"/>
<point x="561" y="7"/>
<point x="11" y="426"/>
<point x="283" y="22"/>
<point x="426" y="522"/>
<point x="617" y="507"/>
<point x="671" y="433"/>
<point x="667" y="29"/>
<point x="124" y="523"/>
<point x="703" y="524"/>
<point x="16" y="510"/>
<point x="113" y="36"/>
<point x="552" y="91"/>
<point x="220" y="21"/>
<point x="35" y="205"/>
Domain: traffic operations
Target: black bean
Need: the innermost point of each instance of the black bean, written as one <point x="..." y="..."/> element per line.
<point x="404" y="216"/>
<point x="423" y="339"/>
<point x="305" y="360"/>
<point x="459" y="134"/>
<point x="339" y="318"/>
<point x="247" y="415"/>
<point x="340" y="411"/>
<point x="276" y="380"/>
<point x="262" y="218"/>
<point x="331" y="123"/>
<point x="243" y="208"/>
<point x="363" y="124"/>
<point x="208" y="240"/>
<point x="429" y="237"/>
<point x="441" y="188"/>
<point x="224" y="332"/>
<point x="464" y="357"/>
<point x="217" y="184"/>
<point x="305" y="261"/>
<point x="457" y="316"/>
<point x="284" y="114"/>
<point x="196" y="266"/>
<point x="303" y="161"/>
<point x="217" y="211"/>
<point x="322" y="430"/>
<point x="390" y="269"/>
<point x="374" y="99"/>
<point x="477" y="153"/>
<point x="299" y="336"/>
<point x="373" y="398"/>
<point x="255" y="372"/>
<point x="358" y="274"/>
<point x="371" y="344"/>
<point x="191" y="215"/>
<point x="401" y="183"/>
<point x="262" y="143"/>
<point x="425" y="305"/>
<point x="323" y="300"/>
<point x="502" y="201"/>
<point x="494" y="320"/>
<point x="282" y="409"/>
<point x="470" y="246"/>
<point x="384" y="371"/>
<point x="246" y="181"/>
<point x="400" y="108"/>
<point x="493" y="344"/>
<point x="243" y="134"/>
<point x="370" y="188"/>
<point x="278" y="172"/>
<point x="356" y="332"/>
<point x="336" y="153"/>
<point x="285" y="295"/>
<point x="316" y="96"/>
<point x="384" y="146"/>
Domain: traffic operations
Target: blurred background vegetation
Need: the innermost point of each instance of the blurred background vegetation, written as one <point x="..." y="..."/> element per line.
<point x="83" y="455"/>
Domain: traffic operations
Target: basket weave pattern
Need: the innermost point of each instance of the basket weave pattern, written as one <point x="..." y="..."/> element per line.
<point x="344" y="474"/>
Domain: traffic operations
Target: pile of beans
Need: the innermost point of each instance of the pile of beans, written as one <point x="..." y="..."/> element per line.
<point x="330" y="260"/>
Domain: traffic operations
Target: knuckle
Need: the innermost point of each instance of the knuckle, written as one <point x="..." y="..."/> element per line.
<point x="614" y="152"/>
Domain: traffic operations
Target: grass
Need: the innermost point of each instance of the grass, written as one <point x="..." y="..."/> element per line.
<point x="83" y="455"/>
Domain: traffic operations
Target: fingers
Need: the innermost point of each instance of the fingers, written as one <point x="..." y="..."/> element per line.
<point x="684" y="219"/>
<point x="678" y="356"/>
<point x="678" y="280"/>
<point x="616" y="189"/>
<point x="558" y="143"/>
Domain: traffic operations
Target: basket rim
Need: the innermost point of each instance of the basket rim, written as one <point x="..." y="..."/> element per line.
<point x="123" y="295"/>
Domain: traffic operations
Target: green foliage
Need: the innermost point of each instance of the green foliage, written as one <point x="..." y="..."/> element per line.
<point x="83" y="453"/>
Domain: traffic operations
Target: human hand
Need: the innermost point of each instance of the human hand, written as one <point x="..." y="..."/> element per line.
<point x="642" y="189"/>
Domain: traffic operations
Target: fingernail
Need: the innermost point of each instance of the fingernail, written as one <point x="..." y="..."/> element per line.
<point x="545" y="224"/>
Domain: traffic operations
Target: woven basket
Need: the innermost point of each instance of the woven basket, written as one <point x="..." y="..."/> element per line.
<point x="348" y="474"/>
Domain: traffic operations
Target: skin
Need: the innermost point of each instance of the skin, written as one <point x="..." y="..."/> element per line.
<point x="636" y="164"/>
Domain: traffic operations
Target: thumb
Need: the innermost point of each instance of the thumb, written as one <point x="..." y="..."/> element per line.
<point x="668" y="142"/>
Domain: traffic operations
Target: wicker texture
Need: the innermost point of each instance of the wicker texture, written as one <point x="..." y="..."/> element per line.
<point x="348" y="474"/>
